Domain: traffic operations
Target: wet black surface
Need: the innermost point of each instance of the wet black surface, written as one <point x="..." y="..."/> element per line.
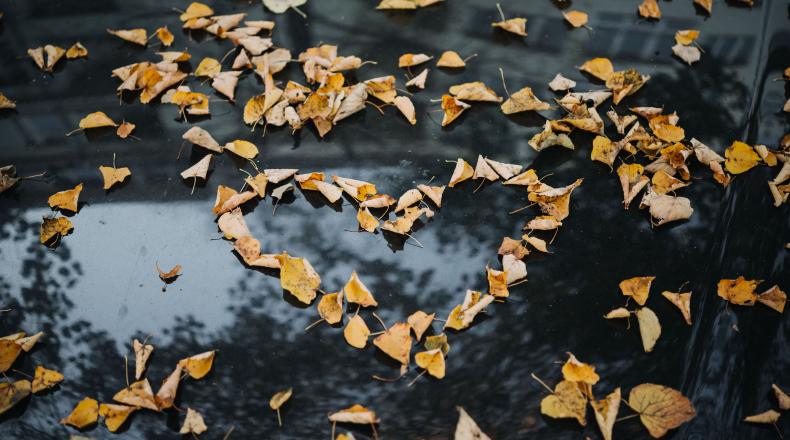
<point x="99" y="288"/>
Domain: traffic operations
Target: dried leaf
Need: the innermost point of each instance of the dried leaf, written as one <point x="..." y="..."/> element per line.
<point x="112" y="175"/>
<point x="567" y="402"/>
<point x="450" y="59"/>
<point x="299" y="278"/>
<point x="356" y="414"/>
<point x="606" y="412"/>
<point x="165" y="36"/>
<point x="141" y="354"/>
<point x="768" y="417"/>
<point x="649" y="9"/>
<point x="169" y="275"/>
<point x="560" y="83"/>
<point x="356" y="292"/>
<point x="420" y="322"/>
<point x="740" y="157"/>
<point x="452" y="108"/>
<point x="665" y="208"/>
<point x="433" y="192"/>
<point x="577" y="19"/>
<point x="432" y="361"/>
<point x="522" y="101"/>
<point x="682" y="301"/>
<point x="136" y="36"/>
<point x="167" y="391"/>
<point x="66" y="200"/>
<point x="44" y="379"/>
<point x="96" y="120"/>
<point x="12" y="393"/>
<point x="467" y="429"/>
<point x="138" y="394"/>
<point x="201" y="137"/>
<point x="77" y="50"/>
<point x="198" y="170"/>
<point x="54" y="227"/>
<point x="649" y="328"/>
<point x="396" y="342"/>
<point x="689" y="54"/>
<point x="575" y="371"/>
<point x="781" y="397"/>
<point x="637" y="288"/>
<point x="774" y="298"/>
<point x="419" y="80"/>
<point x="356" y="332"/>
<point x="411" y="59"/>
<point x="738" y="291"/>
<point x="367" y="221"/>
<point x="330" y="308"/>
<point x="228" y="199"/>
<point x="193" y="423"/>
<point x="660" y="408"/>
<point x="600" y="68"/>
<point x="280" y="6"/>
<point x="115" y="415"/>
<point x="199" y="365"/>
<point x="497" y="282"/>
<point x="279" y="399"/>
<point x="85" y="414"/>
<point x="517" y="25"/>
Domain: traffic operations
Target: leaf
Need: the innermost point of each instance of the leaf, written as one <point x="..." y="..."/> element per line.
<point x="225" y="83"/>
<point x="96" y="120"/>
<point x="85" y="414"/>
<point x="649" y="9"/>
<point x="54" y="227"/>
<point x="280" y="191"/>
<point x="232" y="225"/>
<point x="621" y="122"/>
<point x="452" y="109"/>
<point x="411" y="59"/>
<point x="299" y="278"/>
<point x="497" y="283"/>
<point x="419" y="322"/>
<point x="774" y="298"/>
<point x="450" y="59"/>
<point x="437" y="341"/>
<point x="576" y="19"/>
<point x="66" y="200"/>
<point x="781" y="397"/>
<point x="665" y="208"/>
<point x="45" y="379"/>
<point x="418" y="80"/>
<point x="649" y="328"/>
<point x="566" y="402"/>
<point x="356" y="332"/>
<point x="403" y="224"/>
<point x="605" y="151"/>
<point x="136" y="36"/>
<point x="193" y="423"/>
<point x="575" y="371"/>
<point x="433" y="192"/>
<point x="28" y="342"/>
<point x="740" y="157"/>
<point x="560" y="83"/>
<point x="12" y="393"/>
<point x="606" y="412"/>
<point x="208" y="67"/>
<point x="228" y="199"/>
<point x="352" y="103"/>
<point x="367" y="221"/>
<point x="141" y="354"/>
<point x="137" y="394"/>
<point x="463" y="171"/>
<point x="637" y="288"/>
<point x="396" y="342"/>
<point x="463" y="315"/>
<point x="280" y="6"/>
<point x="279" y="399"/>
<point x="125" y="129"/>
<point x="112" y="175"/>
<point x="738" y="291"/>
<point x="707" y="5"/>
<point x="545" y="139"/>
<point x="432" y="361"/>
<point x="115" y="415"/>
<point x="196" y="10"/>
<point x="54" y="54"/>
<point x="77" y="50"/>
<point x="199" y="365"/>
<point x="600" y="68"/>
<point x="382" y="88"/>
<point x="165" y="36"/>
<point x="682" y="301"/>
<point x="330" y="307"/>
<point x="467" y="429"/>
<point x="6" y="103"/>
<point x="241" y="148"/>
<point x="522" y="101"/>
<point x="199" y="170"/>
<point x="356" y="414"/>
<point x="686" y="37"/>
<point x="660" y="408"/>
<point x="517" y="25"/>
<point x="166" y="395"/>
<point x="767" y="417"/>
<point x="169" y="275"/>
<point x="201" y="137"/>
<point x="555" y="201"/>
<point x="689" y="54"/>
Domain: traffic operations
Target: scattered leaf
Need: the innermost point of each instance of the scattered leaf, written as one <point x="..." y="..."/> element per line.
<point x="199" y="365"/>
<point x="193" y="423"/>
<point x="649" y="328"/>
<point x="738" y="291"/>
<point x="85" y="414"/>
<point x="66" y="200"/>
<point x="44" y="379"/>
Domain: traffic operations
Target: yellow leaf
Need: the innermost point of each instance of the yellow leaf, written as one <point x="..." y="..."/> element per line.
<point x="649" y="328"/>
<point x="575" y="371"/>
<point x="452" y="109"/>
<point x="299" y="278"/>
<point x="649" y="9"/>
<point x="196" y="10"/>
<point x="600" y="68"/>
<point x="467" y="429"/>
<point x="115" y="415"/>
<point x="738" y="291"/>
<point x="136" y="36"/>
<point x="606" y="412"/>
<point x="367" y="221"/>
<point x="356" y="292"/>
<point x="167" y="391"/>
<point x="125" y="129"/>
<point x="165" y="36"/>
<point x="96" y="120"/>
<point x="86" y="413"/>
<point x="208" y="67"/>
<point x="517" y="25"/>
<point x="193" y="423"/>
<point x="228" y="199"/>
<point x="141" y="354"/>
<point x="396" y="342"/>
<point x="432" y="361"/>
<point x="66" y="200"/>
<point x="437" y="341"/>
<point x="463" y="171"/>
<point x="707" y="5"/>
<point x="76" y="51"/>
<point x="682" y="301"/>
<point x="412" y="59"/>
<point x="474" y="91"/>
<point x="9" y="351"/>
<point x="567" y="402"/>
<point x="330" y="307"/>
<point x="198" y="365"/>
<point x="450" y="59"/>
<point x="660" y="408"/>
<point x="420" y="322"/>
<point x="604" y="150"/>
<point x="45" y="379"/>
<point x="768" y="417"/>
<point x="137" y="394"/>
<point x="356" y="332"/>
<point x="497" y="282"/>
<point x="637" y="288"/>
<point x="576" y="18"/>
<point x="740" y="157"/>
<point x="241" y="148"/>
<point x="12" y="393"/>
<point x="686" y="37"/>
<point x="781" y="397"/>
<point x="52" y="227"/>
<point x="112" y="175"/>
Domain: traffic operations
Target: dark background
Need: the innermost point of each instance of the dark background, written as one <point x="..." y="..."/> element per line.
<point x="99" y="288"/>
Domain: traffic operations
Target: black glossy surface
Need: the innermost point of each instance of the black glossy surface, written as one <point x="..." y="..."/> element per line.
<point x="99" y="289"/>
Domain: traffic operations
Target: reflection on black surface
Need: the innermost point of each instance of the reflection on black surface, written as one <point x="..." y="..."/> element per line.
<point x="99" y="288"/>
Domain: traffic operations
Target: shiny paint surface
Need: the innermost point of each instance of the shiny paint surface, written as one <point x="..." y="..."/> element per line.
<point x="99" y="288"/>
